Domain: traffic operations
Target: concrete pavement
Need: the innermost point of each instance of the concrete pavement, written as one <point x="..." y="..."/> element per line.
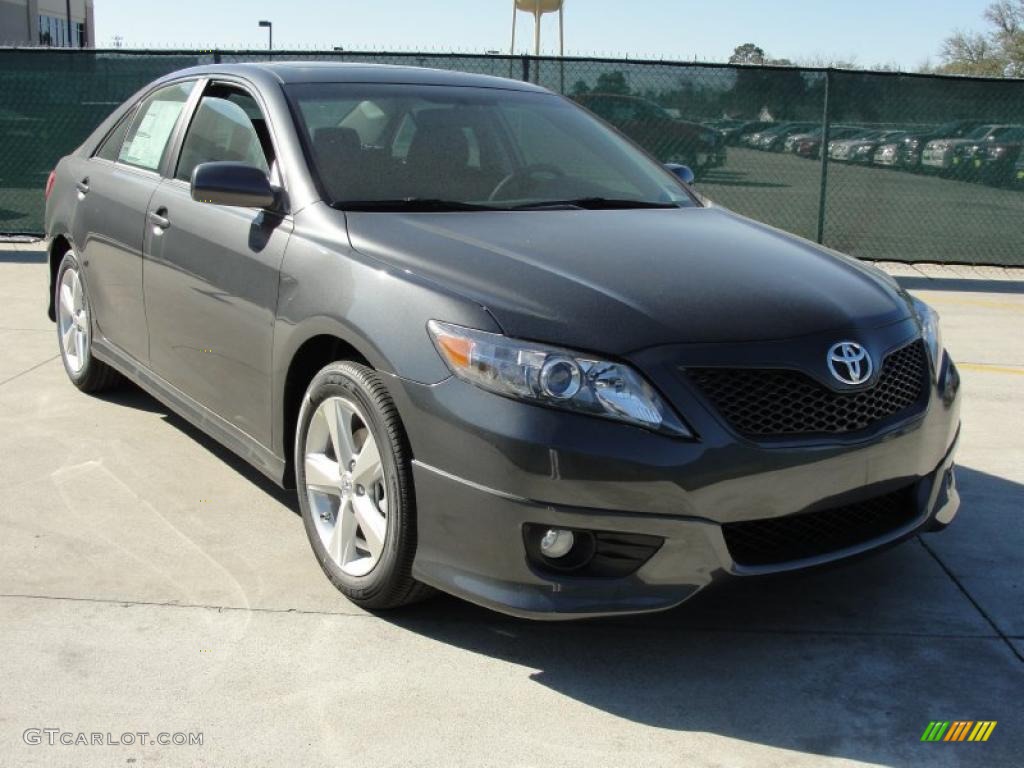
<point x="150" y="581"/>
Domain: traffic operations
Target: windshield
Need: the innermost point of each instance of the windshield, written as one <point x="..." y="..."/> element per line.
<point x="380" y="146"/>
<point x="980" y="132"/>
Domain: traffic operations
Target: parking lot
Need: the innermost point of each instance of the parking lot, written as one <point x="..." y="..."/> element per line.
<point x="153" y="582"/>
<point x="873" y="212"/>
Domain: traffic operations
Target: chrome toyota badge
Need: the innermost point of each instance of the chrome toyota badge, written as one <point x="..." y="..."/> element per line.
<point x="849" y="362"/>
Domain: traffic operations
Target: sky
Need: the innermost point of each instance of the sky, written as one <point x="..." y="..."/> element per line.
<point x="868" y="32"/>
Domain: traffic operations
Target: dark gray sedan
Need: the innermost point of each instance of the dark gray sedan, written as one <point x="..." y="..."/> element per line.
<point x="497" y="348"/>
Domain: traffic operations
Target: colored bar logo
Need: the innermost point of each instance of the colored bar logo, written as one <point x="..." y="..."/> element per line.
<point x="958" y="730"/>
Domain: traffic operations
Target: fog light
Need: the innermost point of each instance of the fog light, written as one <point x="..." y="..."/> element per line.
<point x="556" y="543"/>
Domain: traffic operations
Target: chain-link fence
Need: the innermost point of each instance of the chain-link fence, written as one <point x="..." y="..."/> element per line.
<point x="879" y="165"/>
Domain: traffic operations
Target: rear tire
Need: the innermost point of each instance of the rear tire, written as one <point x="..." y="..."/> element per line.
<point x="74" y="330"/>
<point x="354" y="481"/>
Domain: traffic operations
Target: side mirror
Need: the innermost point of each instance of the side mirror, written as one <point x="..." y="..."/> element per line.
<point x="683" y="172"/>
<point x="229" y="183"/>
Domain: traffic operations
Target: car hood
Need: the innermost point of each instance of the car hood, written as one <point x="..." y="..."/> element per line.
<point x="954" y="142"/>
<point x="620" y="281"/>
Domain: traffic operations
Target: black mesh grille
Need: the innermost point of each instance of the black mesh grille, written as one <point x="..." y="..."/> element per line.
<point x="795" y="537"/>
<point x="766" y="403"/>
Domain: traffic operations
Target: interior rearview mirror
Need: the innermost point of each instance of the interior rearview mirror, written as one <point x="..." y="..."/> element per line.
<point x="684" y="172"/>
<point x="230" y="183"/>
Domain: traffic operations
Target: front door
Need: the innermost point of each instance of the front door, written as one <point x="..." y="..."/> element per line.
<point x="211" y="271"/>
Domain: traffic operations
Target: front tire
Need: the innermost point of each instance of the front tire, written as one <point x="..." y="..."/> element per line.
<point x="354" y="481"/>
<point x="74" y="330"/>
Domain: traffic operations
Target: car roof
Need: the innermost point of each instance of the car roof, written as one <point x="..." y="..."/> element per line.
<point x="289" y="72"/>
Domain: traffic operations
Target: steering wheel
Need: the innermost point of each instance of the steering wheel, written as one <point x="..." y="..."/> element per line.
<point x="526" y="172"/>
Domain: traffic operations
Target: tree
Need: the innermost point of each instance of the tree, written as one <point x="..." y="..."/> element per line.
<point x="579" y="88"/>
<point x="612" y="82"/>
<point x="748" y="53"/>
<point x="999" y="52"/>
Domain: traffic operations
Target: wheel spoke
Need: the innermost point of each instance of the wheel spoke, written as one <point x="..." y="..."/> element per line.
<point x="339" y="422"/>
<point x="68" y="339"/>
<point x="367" y="467"/>
<point x="372" y="523"/>
<point x="80" y="345"/>
<point x="322" y="474"/>
<point x="67" y="300"/>
<point x="76" y="291"/>
<point x="342" y="544"/>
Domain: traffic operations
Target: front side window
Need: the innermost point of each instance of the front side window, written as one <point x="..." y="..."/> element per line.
<point x="484" y="147"/>
<point x="226" y="126"/>
<point x="152" y="126"/>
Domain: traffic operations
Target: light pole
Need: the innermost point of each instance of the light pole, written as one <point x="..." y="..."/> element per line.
<point x="270" y="34"/>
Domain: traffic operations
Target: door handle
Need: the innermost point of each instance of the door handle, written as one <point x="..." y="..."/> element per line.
<point x="83" y="186"/>
<point x="158" y="220"/>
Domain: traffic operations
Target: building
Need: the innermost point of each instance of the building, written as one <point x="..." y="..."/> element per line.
<point x="56" y="23"/>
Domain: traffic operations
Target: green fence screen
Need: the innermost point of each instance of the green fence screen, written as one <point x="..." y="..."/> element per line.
<point x="879" y="165"/>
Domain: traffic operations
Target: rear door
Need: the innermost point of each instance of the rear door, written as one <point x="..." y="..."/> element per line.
<point x="212" y="271"/>
<point x="114" y="189"/>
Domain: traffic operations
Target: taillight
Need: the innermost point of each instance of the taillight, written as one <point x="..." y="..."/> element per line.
<point x="49" y="183"/>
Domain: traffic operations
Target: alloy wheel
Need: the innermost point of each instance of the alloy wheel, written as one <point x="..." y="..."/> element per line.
<point x="73" y="317"/>
<point x="345" y="486"/>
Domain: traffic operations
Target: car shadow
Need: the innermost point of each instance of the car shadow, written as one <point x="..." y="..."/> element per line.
<point x="130" y="395"/>
<point x="966" y="285"/>
<point x="724" y="178"/>
<point x="849" y="661"/>
<point x="11" y="256"/>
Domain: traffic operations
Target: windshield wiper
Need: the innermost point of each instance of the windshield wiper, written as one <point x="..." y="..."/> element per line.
<point x="410" y="204"/>
<point x="591" y="204"/>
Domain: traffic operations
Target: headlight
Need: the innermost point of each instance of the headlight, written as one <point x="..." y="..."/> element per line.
<point x="931" y="333"/>
<point x="553" y="377"/>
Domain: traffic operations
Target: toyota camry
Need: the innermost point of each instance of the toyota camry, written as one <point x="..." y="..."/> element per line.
<point x="497" y="348"/>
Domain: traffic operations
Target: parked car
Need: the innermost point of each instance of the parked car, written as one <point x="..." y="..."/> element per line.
<point x="861" y="148"/>
<point x="745" y="133"/>
<point x="911" y="146"/>
<point x="968" y="159"/>
<point x="809" y="144"/>
<point x="753" y="138"/>
<point x="1017" y="175"/>
<point x="496" y="348"/>
<point x="946" y="155"/>
<point x="732" y="130"/>
<point x="887" y="155"/>
<point x="774" y="140"/>
<point x="667" y="138"/>
<point x="995" y="163"/>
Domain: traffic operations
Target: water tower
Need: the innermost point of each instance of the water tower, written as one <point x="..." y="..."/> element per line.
<point x="538" y="8"/>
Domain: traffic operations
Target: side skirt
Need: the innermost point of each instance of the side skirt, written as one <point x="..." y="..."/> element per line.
<point x="201" y="417"/>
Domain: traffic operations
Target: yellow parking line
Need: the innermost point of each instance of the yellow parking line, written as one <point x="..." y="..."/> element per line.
<point x="990" y="368"/>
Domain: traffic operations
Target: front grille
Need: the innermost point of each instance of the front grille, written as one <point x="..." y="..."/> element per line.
<point x="809" y="534"/>
<point x="762" y="403"/>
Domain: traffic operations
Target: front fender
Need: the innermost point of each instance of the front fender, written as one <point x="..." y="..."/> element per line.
<point x="329" y="289"/>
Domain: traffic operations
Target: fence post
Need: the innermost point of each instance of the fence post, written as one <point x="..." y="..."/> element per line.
<point x="216" y="56"/>
<point x="826" y="124"/>
<point x="526" y="69"/>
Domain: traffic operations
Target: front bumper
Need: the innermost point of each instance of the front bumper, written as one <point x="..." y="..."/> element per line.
<point x="941" y="159"/>
<point x="486" y="467"/>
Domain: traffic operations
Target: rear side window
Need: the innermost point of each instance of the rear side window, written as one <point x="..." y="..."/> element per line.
<point x="152" y="126"/>
<point x="224" y="129"/>
<point x="111" y="146"/>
